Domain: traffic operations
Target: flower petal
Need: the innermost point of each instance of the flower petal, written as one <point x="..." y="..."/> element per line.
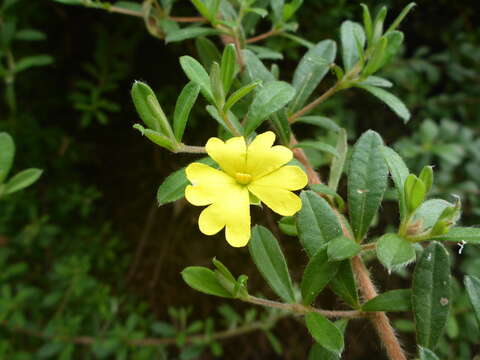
<point x="282" y="201"/>
<point x="262" y="158"/>
<point x="287" y="177"/>
<point x="230" y="155"/>
<point x="232" y="211"/>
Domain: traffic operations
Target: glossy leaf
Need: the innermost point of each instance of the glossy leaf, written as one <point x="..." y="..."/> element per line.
<point x="393" y="300"/>
<point x="367" y="182"/>
<point x="317" y="275"/>
<point x="351" y="34"/>
<point x="22" y="180"/>
<point x="472" y="285"/>
<point x="7" y="153"/>
<point x="204" y="280"/>
<point x="310" y="71"/>
<point x="184" y="105"/>
<point x="394" y="103"/>
<point x="342" y="248"/>
<point x="316" y="222"/>
<point x="270" y="98"/>
<point x="394" y="252"/>
<point x="324" y="332"/>
<point x="268" y="257"/>
<point x="431" y="294"/>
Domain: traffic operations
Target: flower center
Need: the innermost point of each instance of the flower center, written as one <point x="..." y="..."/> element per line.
<point x="243" y="178"/>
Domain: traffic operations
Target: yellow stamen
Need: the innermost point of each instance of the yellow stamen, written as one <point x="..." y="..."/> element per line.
<point x="243" y="178"/>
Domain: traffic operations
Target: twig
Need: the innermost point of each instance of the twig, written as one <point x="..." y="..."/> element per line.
<point x="187" y="19"/>
<point x="313" y="177"/>
<point x="314" y="103"/>
<point x="263" y="36"/>
<point x="303" y="309"/>
<point x="119" y="10"/>
<point x="191" y="149"/>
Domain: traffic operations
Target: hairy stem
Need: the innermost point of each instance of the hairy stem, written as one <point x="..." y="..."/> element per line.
<point x="303" y="309"/>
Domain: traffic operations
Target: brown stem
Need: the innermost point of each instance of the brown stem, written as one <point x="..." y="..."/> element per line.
<point x="119" y="10"/>
<point x="191" y="149"/>
<point x="188" y="19"/>
<point x="314" y="103"/>
<point x="303" y="309"/>
<point x="379" y="319"/>
<point x="263" y="36"/>
<point x="313" y="177"/>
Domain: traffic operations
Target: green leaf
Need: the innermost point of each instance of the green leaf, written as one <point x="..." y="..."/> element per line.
<point x="189" y="33"/>
<point x="394" y="42"/>
<point x="149" y="109"/>
<point x="207" y="51"/>
<point x="324" y="332"/>
<point x="344" y="285"/>
<point x="393" y="300"/>
<point x="323" y="147"/>
<point x="317" y="275"/>
<point x="415" y="192"/>
<point x="373" y="80"/>
<point x="325" y="190"/>
<point x="7" y="153"/>
<point x="184" y="105"/>
<point x="32" y="61"/>
<point x="130" y="5"/>
<point x="228" y="66"/>
<point x="196" y="73"/>
<point x="342" y="248"/>
<point x="288" y="226"/>
<point x="472" y="285"/>
<point x="30" y="35"/>
<point x="459" y="234"/>
<point x="367" y="23"/>
<point x="426" y="175"/>
<point x="173" y="187"/>
<point x="255" y="70"/>
<point x="377" y="58"/>
<point x="351" y="33"/>
<point x="240" y="94"/>
<point x="204" y="280"/>
<point x="399" y="172"/>
<point x="270" y="98"/>
<point x="22" y="179"/>
<point x="318" y="352"/>
<point x="201" y="8"/>
<point x="338" y="163"/>
<point x="316" y="222"/>
<point x="320" y="121"/>
<point x="431" y="294"/>
<point x="378" y="24"/>
<point x="367" y="182"/>
<point x="426" y="354"/>
<point x="429" y="212"/>
<point x="394" y="252"/>
<point x="217" y="86"/>
<point x="310" y="71"/>
<point x="389" y="99"/>
<point x="156" y="137"/>
<point x="400" y="17"/>
<point x="268" y="256"/>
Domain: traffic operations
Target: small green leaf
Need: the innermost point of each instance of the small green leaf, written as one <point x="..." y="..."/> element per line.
<point x="350" y="33"/>
<point x="394" y="42"/>
<point x="325" y="190"/>
<point x="30" y="35"/>
<point x="344" y="284"/>
<point x="401" y="16"/>
<point x="459" y="234"/>
<point x="201" y="8"/>
<point x="426" y="354"/>
<point x="324" y="332"/>
<point x="7" y="153"/>
<point x="394" y="252"/>
<point x="189" y="33"/>
<point x="377" y="57"/>
<point x="373" y="80"/>
<point x="426" y="175"/>
<point x="207" y="51"/>
<point x="393" y="300"/>
<point x="317" y="275"/>
<point x="268" y="257"/>
<point x="316" y="145"/>
<point x="472" y="285"/>
<point x="342" y="248"/>
<point x="217" y="86"/>
<point x="378" y="24"/>
<point x="320" y="121"/>
<point x="156" y="137"/>
<point x="173" y="187"/>
<point x="316" y="222"/>
<point x="228" y="66"/>
<point x="204" y="280"/>
<point x="367" y="182"/>
<point x="338" y="163"/>
<point x="399" y="172"/>
<point x="239" y="94"/>
<point x="430" y="212"/>
<point x="255" y="70"/>
<point x="389" y="99"/>
<point x="431" y="294"/>
<point x="184" y="105"/>
<point x="310" y="71"/>
<point x="32" y="61"/>
<point x="270" y="98"/>
<point x="415" y="192"/>
<point x="288" y="225"/>
<point x="196" y="73"/>
<point x="367" y="23"/>
<point x="22" y="179"/>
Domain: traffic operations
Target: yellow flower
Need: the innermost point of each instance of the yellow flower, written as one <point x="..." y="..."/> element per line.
<point x="257" y="169"/>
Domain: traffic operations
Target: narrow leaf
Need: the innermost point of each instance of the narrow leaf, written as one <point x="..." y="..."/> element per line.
<point x="196" y="73"/>
<point x="472" y="285"/>
<point x="426" y="354"/>
<point x="32" y="61"/>
<point x="22" y="180"/>
<point x="338" y="163"/>
<point x="459" y="234"/>
<point x="344" y="284"/>
<point x="399" y="172"/>
<point x="393" y="300"/>
<point x="342" y="248"/>
<point x="255" y="70"/>
<point x="149" y="109"/>
<point x="207" y="51"/>
<point x="324" y="332"/>
<point x="320" y="121"/>
<point x="7" y="153"/>
<point x="268" y="257"/>
<point x="316" y="145"/>
<point x="367" y="182"/>
<point x="189" y="33"/>
<point x="228" y="66"/>
<point x="316" y="222"/>
<point x="317" y="275"/>
<point x="350" y="33"/>
<point x="184" y="105"/>
<point x="240" y="94"/>
<point x="204" y="280"/>
<point x="431" y="294"/>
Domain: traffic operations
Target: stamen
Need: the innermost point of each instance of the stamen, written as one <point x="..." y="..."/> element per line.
<point x="243" y="178"/>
